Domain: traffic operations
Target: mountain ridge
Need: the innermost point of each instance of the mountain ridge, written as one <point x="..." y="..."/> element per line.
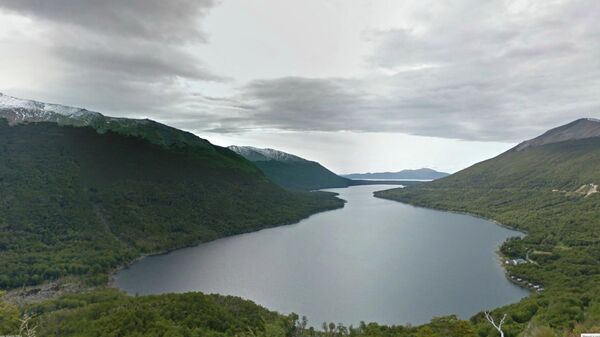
<point x="264" y="154"/>
<point x="17" y="111"/>
<point x="422" y="173"/>
<point x="290" y="171"/>
<point x="582" y="128"/>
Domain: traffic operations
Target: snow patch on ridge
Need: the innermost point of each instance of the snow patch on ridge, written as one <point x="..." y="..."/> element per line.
<point x="17" y="110"/>
<point x="258" y="154"/>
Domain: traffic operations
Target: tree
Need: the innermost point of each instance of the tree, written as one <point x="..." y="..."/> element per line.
<point x="9" y="317"/>
<point x="426" y="332"/>
<point x="27" y="329"/>
<point x="496" y="326"/>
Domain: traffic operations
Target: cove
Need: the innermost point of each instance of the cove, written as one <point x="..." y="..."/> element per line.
<point x="374" y="260"/>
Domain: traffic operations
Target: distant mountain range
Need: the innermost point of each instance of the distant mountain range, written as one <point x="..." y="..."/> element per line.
<point x="290" y="171"/>
<point x="420" y="174"/>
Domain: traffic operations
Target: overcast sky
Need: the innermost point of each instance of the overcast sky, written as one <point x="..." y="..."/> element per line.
<point x="359" y="85"/>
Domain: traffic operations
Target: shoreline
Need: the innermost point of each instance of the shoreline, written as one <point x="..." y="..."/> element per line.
<point x="112" y="273"/>
<point x="76" y="283"/>
<point x="499" y="224"/>
<point x="500" y="256"/>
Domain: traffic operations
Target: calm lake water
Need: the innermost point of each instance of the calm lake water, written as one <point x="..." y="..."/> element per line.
<point x="373" y="260"/>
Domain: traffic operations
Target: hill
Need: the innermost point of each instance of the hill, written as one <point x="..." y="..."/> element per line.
<point x="418" y="174"/>
<point x="82" y="200"/>
<point x="290" y="171"/>
<point x="546" y="186"/>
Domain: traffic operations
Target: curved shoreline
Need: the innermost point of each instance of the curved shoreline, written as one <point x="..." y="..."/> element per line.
<point x="76" y="283"/>
<point x="513" y="294"/>
<point x="501" y="257"/>
<point x="112" y="273"/>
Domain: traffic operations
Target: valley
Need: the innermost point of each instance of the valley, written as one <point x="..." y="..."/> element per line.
<point x="81" y="200"/>
<point x="372" y="260"/>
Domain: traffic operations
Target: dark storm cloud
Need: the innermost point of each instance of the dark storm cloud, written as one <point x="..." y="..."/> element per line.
<point x="142" y="62"/>
<point x="297" y="103"/>
<point x="167" y="21"/>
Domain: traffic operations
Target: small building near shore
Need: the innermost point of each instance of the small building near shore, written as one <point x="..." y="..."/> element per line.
<point x="515" y="262"/>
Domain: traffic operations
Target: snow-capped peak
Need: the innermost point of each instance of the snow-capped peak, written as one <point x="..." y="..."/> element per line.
<point x="258" y="154"/>
<point x="18" y="110"/>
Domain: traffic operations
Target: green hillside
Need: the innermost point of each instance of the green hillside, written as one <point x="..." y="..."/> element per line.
<point x="302" y="175"/>
<point x="77" y="202"/>
<point x="291" y="172"/>
<point x="549" y="191"/>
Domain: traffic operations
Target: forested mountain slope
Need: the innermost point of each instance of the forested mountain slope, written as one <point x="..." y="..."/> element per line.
<point x="290" y="171"/>
<point x="548" y="187"/>
<point x="74" y="201"/>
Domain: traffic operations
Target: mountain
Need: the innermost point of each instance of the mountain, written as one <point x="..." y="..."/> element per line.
<point x="580" y="129"/>
<point x="290" y="171"/>
<point x="17" y="111"/>
<point x="548" y="187"/>
<point x="564" y="158"/>
<point x="419" y="174"/>
<point x="82" y="193"/>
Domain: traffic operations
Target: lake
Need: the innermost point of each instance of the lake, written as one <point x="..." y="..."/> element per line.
<point x="374" y="260"/>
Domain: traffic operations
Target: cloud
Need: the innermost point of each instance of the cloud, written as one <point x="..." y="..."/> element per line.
<point x="297" y="103"/>
<point x="498" y="70"/>
<point x="136" y="61"/>
<point x="166" y="21"/>
<point x="470" y="70"/>
<point x="128" y="57"/>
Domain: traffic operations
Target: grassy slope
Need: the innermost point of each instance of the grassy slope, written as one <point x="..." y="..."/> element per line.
<point x="301" y="175"/>
<point x="516" y="189"/>
<point x="76" y="202"/>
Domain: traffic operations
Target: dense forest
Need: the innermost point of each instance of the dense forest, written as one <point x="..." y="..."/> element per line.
<point x="110" y="313"/>
<point x="548" y="192"/>
<point x="77" y="202"/>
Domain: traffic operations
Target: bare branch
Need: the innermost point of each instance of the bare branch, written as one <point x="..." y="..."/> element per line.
<point x="25" y="330"/>
<point x="496" y="326"/>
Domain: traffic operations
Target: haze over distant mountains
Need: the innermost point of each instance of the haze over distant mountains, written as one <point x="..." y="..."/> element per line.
<point x="421" y="174"/>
